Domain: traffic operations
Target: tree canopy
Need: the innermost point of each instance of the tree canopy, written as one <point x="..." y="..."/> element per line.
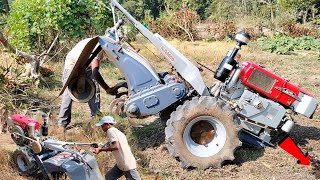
<point x="32" y="25"/>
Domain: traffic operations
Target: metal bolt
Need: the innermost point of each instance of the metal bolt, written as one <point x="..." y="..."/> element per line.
<point x="177" y="91"/>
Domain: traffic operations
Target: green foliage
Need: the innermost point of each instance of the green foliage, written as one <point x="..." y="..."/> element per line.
<point x="174" y="5"/>
<point x="200" y="6"/>
<point x="296" y="4"/>
<point x="131" y="32"/>
<point x="34" y="23"/>
<point x="135" y="8"/>
<point x="221" y="9"/>
<point x="138" y="8"/>
<point x="284" y="44"/>
<point x="1" y="7"/>
<point x="154" y="6"/>
<point x="302" y="9"/>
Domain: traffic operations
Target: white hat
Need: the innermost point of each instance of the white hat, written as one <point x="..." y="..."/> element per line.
<point x="106" y="119"/>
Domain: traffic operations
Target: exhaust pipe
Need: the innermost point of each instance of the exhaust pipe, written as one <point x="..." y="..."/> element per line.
<point x="31" y="130"/>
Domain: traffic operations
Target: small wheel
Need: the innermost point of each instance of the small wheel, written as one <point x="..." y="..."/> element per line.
<point x="87" y="92"/>
<point x="201" y="133"/>
<point x="24" y="163"/>
<point x="117" y="106"/>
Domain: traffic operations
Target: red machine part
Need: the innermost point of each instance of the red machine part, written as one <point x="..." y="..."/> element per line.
<point x="269" y="84"/>
<point x="23" y="121"/>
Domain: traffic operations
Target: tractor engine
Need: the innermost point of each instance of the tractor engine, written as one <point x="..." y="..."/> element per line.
<point x="264" y="102"/>
<point x="278" y="89"/>
<point x="25" y="133"/>
<point x="23" y="129"/>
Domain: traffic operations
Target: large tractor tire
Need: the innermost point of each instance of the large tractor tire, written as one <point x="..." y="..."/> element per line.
<point x="201" y="133"/>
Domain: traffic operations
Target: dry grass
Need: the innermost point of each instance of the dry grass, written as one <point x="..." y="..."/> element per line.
<point x="7" y="169"/>
<point x="147" y="143"/>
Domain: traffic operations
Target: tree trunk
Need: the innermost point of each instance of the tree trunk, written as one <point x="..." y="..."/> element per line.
<point x="32" y="59"/>
<point x="305" y="15"/>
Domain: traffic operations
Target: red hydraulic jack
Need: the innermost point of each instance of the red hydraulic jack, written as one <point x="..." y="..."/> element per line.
<point x="291" y="147"/>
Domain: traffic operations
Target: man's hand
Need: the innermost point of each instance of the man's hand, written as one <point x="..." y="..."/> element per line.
<point x="114" y="90"/>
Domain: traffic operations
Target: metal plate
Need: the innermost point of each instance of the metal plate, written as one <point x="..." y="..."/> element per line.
<point x="261" y="80"/>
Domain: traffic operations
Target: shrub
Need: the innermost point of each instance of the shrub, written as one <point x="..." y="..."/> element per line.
<point x="297" y="30"/>
<point x="33" y="24"/>
<point x="284" y="44"/>
<point x="179" y="24"/>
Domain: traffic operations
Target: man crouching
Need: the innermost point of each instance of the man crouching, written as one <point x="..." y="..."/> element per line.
<point x="125" y="162"/>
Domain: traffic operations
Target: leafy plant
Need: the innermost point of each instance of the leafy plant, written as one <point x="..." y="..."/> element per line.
<point x="33" y="24"/>
<point x="284" y="44"/>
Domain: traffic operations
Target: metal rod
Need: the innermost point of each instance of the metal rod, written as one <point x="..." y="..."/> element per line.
<point x="24" y="136"/>
<point x="206" y="67"/>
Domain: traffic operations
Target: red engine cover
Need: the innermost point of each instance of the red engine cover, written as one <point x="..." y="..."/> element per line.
<point x="269" y="84"/>
<point x="23" y="121"/>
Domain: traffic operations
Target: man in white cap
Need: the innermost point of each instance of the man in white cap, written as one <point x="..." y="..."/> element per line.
<point x="125" y="162"/>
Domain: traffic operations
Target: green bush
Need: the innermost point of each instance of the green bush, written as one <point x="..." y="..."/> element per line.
<point x="284" y="44"/>
<point x="33" y="24"/>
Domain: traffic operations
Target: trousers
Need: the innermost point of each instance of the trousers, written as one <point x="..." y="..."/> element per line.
<point x="66" y="102"/>
<point x="115" y="173"/>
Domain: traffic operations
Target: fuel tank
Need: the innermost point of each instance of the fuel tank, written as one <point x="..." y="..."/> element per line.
<point x="23" y="121"/>
<point x="278" y="89"/>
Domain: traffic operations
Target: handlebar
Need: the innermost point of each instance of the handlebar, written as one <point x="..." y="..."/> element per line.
<point x="94" y="145"/>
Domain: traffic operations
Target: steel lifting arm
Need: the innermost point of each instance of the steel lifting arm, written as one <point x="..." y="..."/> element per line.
<point x="185" y="67"/>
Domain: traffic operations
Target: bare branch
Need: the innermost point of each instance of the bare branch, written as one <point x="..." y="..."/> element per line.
<point x="32" y="59"/>
<point x="48" y="51"/>
<point x="6" y="44"/>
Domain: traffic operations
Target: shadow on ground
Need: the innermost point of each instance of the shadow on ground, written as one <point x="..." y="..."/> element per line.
<point x="246" y="153"/>
<point x="151" y="135"/>
<point x="301" y="134"/>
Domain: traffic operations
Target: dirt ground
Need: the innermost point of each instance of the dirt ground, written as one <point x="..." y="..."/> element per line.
<point x="250" y="163"/>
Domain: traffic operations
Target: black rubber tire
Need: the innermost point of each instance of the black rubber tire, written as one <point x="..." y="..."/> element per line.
<point x="184" y="114"/>
<point x="30" y="168"/>
<point x="59" y="176"/>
